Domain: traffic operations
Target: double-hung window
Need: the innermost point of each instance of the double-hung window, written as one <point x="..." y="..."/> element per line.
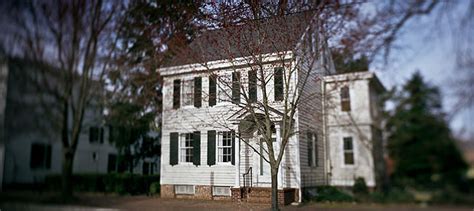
<point x="224" y="147"/>
<point x="225" y="88"/>
<point x="188" y="93"/>
<point x="345" y="99"/>
<point x="186" y="148"/>
<point x="312" y="149"/>
<point x="348" y="151"/>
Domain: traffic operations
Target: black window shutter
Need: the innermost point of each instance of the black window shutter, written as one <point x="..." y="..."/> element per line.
<point x="48" y="156"/>
<point x="176" y="93"/>
<point x="278" y="84"/>
<point x="236" y="87"/>
<point x="310" y="149"/>
<point x="197" y="148"/>
<point x="35" y="156"/>
<point x="91" y="134"/>
<point x="197" y="92"/>
<point x="212" y="90"/>
<point x="233" y="148"/>
<point x="101" y="134"/>
<point x="211" y="147"/>
<point x="253" y="86"/>
<point x="174" y="139"/>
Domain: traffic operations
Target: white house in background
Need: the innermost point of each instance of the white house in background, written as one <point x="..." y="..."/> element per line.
<point x="201" y="154"/>
<point x="32" y="146"/>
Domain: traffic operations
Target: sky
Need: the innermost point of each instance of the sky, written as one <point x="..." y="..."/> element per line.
<point x="427" y="45"/>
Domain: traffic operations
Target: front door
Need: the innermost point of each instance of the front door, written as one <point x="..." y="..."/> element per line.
<point x="263" y="172"/>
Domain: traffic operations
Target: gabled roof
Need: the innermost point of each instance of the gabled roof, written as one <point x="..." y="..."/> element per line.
<point x="255" y="37"/>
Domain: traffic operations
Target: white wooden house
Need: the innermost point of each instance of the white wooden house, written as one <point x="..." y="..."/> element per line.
<point x="204" y="154"/>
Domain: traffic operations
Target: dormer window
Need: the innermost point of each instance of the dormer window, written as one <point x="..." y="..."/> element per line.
<point x="345" y="99"/>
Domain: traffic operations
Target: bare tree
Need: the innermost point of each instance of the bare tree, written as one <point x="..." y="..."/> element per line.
<point x="73" y="40"/>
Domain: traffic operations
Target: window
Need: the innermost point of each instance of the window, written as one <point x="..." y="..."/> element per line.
<point x="212" y="90"/>
<point x="345" y="99"/>
<point x="112" y="163"/>
<point x="176" y="93"/>
<point x="188" y="92"/>
<point x="278" y="83"/>
<point x="252" y="86"/>
<point x="184" y="189"/>
<point x="225" y="91"/>
<point x="95" y="157"/>
<point x="224" y="147"/>
<point x="220" y="191"/>
<point x="96" y="135"/>
<point x="40" y="156"/>
<point x="197" y="92"/>
<point x="312" y="149"/>
<point x="186" y="148"/>
<point x="348" y="151"/>
<point x="236" y="87"/>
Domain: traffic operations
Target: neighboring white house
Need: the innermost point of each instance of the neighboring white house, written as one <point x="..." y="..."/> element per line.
<point x="32" y="144"/>
<point x="204" y="155"/>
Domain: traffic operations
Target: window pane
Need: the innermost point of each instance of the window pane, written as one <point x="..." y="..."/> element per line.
<point x="236" y="87"/>
<point x="348" y="158"/>
<point x="348" y="143"/>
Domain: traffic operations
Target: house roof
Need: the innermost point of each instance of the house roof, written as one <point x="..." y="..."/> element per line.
<point x="276" y="34"/>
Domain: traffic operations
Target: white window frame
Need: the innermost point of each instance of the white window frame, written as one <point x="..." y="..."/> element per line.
<point x="187" y="92"/>
<point x="189" y="189"/>
<point x="353" y="152"/>
<point x="227" y="192"/>
<point x="346" y="99"/>
<point x="183" y="148"/>
<point x="220" y="142"/>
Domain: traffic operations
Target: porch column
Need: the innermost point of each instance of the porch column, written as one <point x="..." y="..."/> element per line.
<point x="237" y="161"/>
<point x="280" y="169"/>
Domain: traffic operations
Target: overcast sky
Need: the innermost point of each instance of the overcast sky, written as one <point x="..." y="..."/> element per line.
<point x="427" y="45"/>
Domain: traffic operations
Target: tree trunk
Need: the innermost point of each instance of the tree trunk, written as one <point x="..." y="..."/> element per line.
<point x="274" y="172"/>
<point x="67" y="173"/>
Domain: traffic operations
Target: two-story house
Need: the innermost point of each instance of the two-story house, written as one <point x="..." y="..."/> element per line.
<point x="207" y="151"/>
<point x="31" y="146"/>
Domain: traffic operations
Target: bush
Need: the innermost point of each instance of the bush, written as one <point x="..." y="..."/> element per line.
<point x="395" y="195"/>
<point x="329" y="193"/>
<point x="360" y="187"/>
<point x="155" y="188"/>
<point x="109" y="183"/>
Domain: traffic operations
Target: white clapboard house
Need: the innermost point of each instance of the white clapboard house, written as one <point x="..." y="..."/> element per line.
<point x="337" y="128"/>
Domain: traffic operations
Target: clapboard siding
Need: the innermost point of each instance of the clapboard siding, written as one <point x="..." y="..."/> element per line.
<point x="359" y="123"/>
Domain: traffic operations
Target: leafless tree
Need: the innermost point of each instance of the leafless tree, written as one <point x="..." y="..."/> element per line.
<point x="73" y="40"/>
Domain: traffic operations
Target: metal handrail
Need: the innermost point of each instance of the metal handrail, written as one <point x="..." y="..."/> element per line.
<point x="249" y="171"/>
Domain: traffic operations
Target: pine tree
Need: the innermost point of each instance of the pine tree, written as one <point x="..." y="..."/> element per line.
<point x="420" y="140"/>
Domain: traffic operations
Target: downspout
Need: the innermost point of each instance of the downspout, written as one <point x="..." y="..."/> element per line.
<point x="325" y="145"/>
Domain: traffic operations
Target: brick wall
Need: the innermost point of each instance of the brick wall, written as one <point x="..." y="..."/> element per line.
<point x="167" y="191"/>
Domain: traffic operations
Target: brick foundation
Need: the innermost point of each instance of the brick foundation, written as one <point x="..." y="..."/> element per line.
<point x="264" y="195"/>
<point x="253" y="195"/>
<point x="167" y="191"/>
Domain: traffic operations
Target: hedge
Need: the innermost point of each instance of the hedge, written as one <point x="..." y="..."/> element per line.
<point x="108" y="183"/>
